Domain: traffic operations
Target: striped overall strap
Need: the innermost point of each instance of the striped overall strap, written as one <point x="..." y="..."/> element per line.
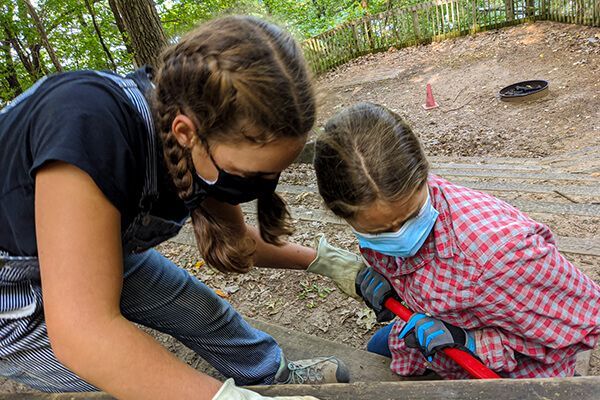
<point x="150" y="190"/>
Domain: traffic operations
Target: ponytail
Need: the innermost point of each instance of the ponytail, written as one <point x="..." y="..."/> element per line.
<point x="273" y="218"/>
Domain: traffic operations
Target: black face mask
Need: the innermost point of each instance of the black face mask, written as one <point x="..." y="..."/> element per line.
<point x="229" y="188"/>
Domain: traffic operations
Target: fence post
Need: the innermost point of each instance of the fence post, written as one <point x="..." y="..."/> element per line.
<point x="368" y="33"/>
<point x="474" y="16"/>
<point x="543" y="11"/>
<point x="510" y="11"/>
<point x="530" y="8"/>
<point x="357" y="49"/>
<point x="416" y="28"/>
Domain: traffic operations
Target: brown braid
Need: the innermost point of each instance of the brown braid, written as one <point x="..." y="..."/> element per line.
<point x="226" y="74"/>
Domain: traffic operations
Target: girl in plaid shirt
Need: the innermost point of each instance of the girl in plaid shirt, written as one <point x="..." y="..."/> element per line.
<point x="479" y="274"/>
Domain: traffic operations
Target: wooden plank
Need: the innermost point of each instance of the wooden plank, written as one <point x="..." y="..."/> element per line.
<point x="505" y="389"/>
<point x="584" y="191"/>
<point x="474" y="29"/>
<point x="587" y="387"/>
<point x="542" y="176"/>
<point x="583" y="362"/>
<point x="540" y="207"/>
<point x="490" y="166"/>
<point x="588" y="247"/>
<point x="416" y="29"/>
<point x="308" y="153"/>
<point x="584" y="246"/>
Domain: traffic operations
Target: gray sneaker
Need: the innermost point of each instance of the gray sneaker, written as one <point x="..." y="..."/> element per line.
<point x="312" y="371"/>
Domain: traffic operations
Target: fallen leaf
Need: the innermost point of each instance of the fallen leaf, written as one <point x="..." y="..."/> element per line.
<point x="366" y="318"/>
<point x="356" y="90"/>
<point x="231" y="289"/>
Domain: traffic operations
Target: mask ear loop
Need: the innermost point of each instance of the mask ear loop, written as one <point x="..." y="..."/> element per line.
<point x="204" y="143"/>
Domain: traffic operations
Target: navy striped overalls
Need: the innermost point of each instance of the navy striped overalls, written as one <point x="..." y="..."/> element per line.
<point x="156" y="293"/>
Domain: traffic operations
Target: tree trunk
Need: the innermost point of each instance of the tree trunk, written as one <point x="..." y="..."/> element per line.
<point x="90" y="9"/>
<point x="18" y="48"/>
<point x="8" y="70"/>
<point x="121" y="26"/>
<point x="36" y="60"/>
<point x="43" y="35"/>
<point x="142" y="24"/>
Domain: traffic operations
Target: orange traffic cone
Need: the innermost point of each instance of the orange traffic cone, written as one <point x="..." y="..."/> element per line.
<point x="430" y="101"/>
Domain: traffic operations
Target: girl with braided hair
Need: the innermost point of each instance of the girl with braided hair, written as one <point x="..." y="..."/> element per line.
<point x="99" y="168"/>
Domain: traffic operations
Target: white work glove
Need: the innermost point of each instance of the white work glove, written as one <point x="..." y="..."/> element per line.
<point x="231" y="392"/>
<point x="340" y="265"/>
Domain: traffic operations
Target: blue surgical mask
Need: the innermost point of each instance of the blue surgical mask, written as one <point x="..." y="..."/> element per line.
<point x="406" y="241"/>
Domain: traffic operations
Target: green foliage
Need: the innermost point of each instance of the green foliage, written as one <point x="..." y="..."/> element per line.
<point x="179" y="16"/>
<point x="75" y="40"/>
<point x="307" y="18"/>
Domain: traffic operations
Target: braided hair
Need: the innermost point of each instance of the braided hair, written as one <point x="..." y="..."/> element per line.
<point x="227" y="72"/>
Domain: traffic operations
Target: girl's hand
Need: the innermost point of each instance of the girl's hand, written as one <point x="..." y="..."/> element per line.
<point x="340" y="265"/>
<point x="375" y="289"/>
<point x="430" y="335"/>
<point x="231" y="392"/>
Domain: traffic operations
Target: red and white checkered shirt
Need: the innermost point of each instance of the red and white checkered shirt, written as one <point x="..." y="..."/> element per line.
<point x="489" y="268"/>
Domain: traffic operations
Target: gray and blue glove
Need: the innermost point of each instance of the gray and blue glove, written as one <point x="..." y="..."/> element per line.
<point x="375" y="290"/>
<point x="431" y="335"/>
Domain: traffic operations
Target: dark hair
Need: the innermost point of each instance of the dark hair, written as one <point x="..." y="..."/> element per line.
<point x="229" y="73"/>
<point x="366" y="153"/>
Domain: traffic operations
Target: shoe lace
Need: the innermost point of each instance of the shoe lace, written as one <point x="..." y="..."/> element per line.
<point x="302" y="373"/>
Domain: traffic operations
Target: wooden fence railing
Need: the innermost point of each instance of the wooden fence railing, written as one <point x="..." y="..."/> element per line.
<point x="437" y="20"/>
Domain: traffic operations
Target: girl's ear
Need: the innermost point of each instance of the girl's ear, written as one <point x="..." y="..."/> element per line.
<point x="184" y="130"/>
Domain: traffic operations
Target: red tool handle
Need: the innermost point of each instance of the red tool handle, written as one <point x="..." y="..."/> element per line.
<point x="473" y="366"/>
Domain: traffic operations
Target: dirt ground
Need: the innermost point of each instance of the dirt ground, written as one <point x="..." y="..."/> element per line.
<point x="466" y="74"/>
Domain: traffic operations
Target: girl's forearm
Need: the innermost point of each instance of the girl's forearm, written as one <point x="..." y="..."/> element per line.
<point x="290" y="255"/>
<point x="122" y="360"/>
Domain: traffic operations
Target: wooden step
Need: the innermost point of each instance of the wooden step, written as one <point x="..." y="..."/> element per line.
<point x="575" y="190"/>
<point x="584" y="246"/>
<point x="529" y="206"/>
<point x="308" y="153"/>
<point x="501" y="389"/>
<point x="581" y="388"/>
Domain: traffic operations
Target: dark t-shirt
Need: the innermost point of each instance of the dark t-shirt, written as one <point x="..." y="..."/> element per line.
<point x="87" y="121"/>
